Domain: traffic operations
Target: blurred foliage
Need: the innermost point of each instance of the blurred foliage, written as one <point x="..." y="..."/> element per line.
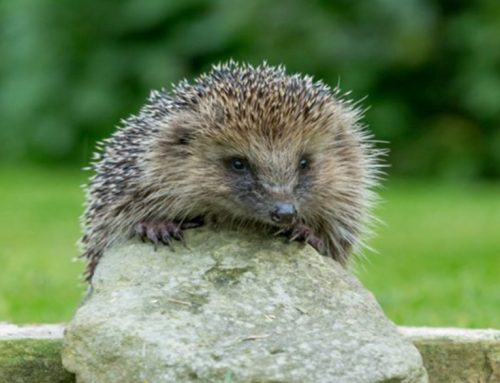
<point x="69" y="70"/>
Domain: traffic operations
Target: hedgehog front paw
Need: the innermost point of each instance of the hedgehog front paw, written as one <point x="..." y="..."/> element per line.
<point x="157" y="231"/>
<point x="302" y="233"/>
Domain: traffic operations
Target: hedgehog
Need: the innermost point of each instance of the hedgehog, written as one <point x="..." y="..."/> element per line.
<point x="240" y="147"/>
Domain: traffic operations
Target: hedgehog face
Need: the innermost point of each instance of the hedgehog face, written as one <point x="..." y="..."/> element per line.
<point x="264" y="191"/>
<point x="257" y="176"/>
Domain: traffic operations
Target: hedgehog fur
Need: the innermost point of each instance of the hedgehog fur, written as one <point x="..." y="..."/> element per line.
<point x="230" y="148"/>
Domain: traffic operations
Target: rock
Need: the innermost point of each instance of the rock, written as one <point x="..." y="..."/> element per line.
<point x="233" y="307"/>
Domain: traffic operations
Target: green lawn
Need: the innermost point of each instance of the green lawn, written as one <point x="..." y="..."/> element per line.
<point x="438" y="260"/>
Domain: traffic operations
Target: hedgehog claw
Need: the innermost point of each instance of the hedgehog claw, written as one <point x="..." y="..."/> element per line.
<point x="302" y="233"/>
<point x="165" y="232"/>
<point x="281" y="231"/>
<point x="152" y="235"/>
<point x="165" y="238"/>
<point x="158" y="232"/>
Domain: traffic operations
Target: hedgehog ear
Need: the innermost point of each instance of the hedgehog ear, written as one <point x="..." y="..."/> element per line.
<point x="182" y="133"/>
<point x="183" y="136"/>
<point x="184" y="128"/>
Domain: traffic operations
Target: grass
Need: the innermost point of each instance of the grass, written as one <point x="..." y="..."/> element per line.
<point x="39" y="226"/>
<point x="439" y="255"/>
<point x="438" y="261"/>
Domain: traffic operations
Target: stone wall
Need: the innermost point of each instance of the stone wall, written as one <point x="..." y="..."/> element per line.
<point x="31" y="354"/>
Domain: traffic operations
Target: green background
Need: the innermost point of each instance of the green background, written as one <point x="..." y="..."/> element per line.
<point x="430" y="71"/>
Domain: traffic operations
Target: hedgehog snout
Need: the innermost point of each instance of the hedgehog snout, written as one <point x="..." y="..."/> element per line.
<point x="283" y="213"/>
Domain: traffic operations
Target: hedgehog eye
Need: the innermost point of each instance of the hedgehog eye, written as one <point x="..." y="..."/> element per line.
<point x="238" y="164"/>
<point x="303" y="164"/>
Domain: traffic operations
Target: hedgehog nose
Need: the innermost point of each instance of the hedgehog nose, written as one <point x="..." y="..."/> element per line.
<point x="283" y="213"/>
